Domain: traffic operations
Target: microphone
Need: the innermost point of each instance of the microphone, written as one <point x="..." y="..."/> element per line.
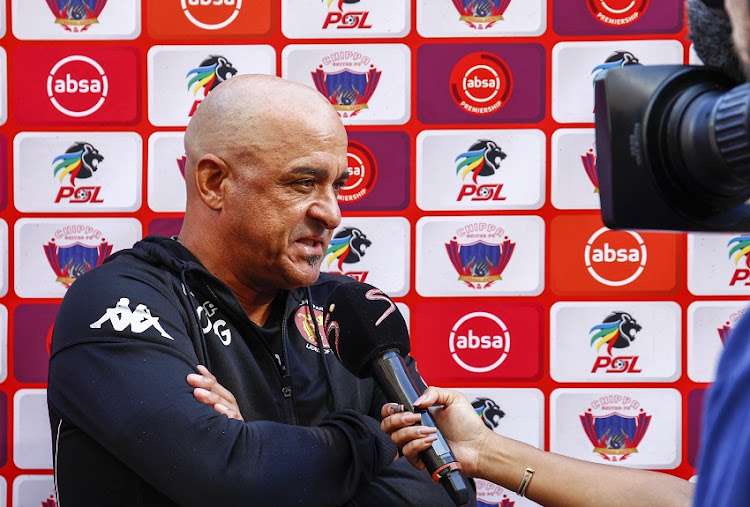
<point x="368" y="334"/>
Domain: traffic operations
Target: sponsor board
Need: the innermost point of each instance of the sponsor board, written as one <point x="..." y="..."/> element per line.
<point x="368" y="84"/>
<point x="77" y="85"/>
<point x="710" y="324"/>
<point x="718" y="264"/>
<point x="615" y="341"/>
<point x="342" y="19"/>
<point x="696" y="401"/>
<point x="480" y="169"/>
<point x="480" y="83"/>
<point x="76" y="19"/>
<point x="488" y="341"/>
<point x="374" y="250"/>
<point x="576" y="64"/>
<point x="32" y="341"/>
<point x="166" y="172"/>
<point x="208" y="19"/>
<point x="50" y="253"/>
<point x="590" y="258"/>
<point x="4" y="256"/>
<point x="617" y="17"/>
<point x="575" y="183"/>
<point x="379" y="168"/>
<point x="32" y="446"/>
<point x="3" y="89"/>
<point x="487" y="18"/>
<point x="4" y="179"/>
<point x="4" y="347"/>
<point x="636" y="428"/>
<point x="480" y="256"/>
<point x="34" y="490"/>
<point x="80" y="172"/>
<point x="179" y="77"/>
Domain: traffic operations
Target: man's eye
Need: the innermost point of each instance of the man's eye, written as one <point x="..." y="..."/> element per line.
<point x="306" y="183"/>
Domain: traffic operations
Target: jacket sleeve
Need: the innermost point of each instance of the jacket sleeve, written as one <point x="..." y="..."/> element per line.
<point x="400" y="483"/>
<point x="117" y="372"/>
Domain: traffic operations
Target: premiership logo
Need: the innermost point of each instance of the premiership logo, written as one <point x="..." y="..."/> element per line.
<point x="739" y="248"/>
<point x="615" y="426"/>
<point x="77" y="86"/>
<point x="213" y="70"/>
<point x="589" y="165"/>
<point x="362" y="173"/>
<point x="481" y="14"/>
<point x="348" y="246"/>
<point x="615" y="258"/>
<point x="306" y="327"/>
<point x="479" y="342"/>
<point x="75" y="250"/>
<point x="617" y="12"/>
<point x="80" y="160"/>
<point x="482" y="254"/>
<point x="482" y="159"/>
<point x="348" y="79"/>
<point x="480" y="83"/>
<point x="76" y="15"/>
<point x="211" y="14"/>
<point x="617" y="331"/>
<point x="345" y="20"/>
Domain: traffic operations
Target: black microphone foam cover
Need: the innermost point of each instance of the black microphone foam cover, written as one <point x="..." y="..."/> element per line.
<point x="361" y="323"/>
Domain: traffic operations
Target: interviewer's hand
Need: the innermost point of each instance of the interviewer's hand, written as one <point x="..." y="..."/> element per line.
<point x="209" y="391"/>
<point x="458" y="422"/>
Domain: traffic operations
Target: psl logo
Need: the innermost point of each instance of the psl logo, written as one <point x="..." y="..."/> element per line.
<point x="489" y="411"/>
<point x="213" y="70"/>
<point x="77" y="86"/>
<point x="740" y="246"/>
<point x="615" y="426"/>
<point x="345" y="20"/>
<point x="616" y="59"/>
<point x="349" y="89"/>
<point x="80" y="160"/>
<point x="479" y="342"/>
<point x="211" y="14"/>
<point x="482" y="159"/>
<point x="489" y="494"/>
<point x="615" y="258"/>
<point x="363" y="171"/>
<point x="76" y="15"/>
<point x="482" y="256"/>
<point x="480" y="83"/>
<point x="617" y="331"/>
<point x="348" y="246"/>
<point x="589" y="165"/>
<point x="481" y="14"/>
<point x="617" y="12"/>
<point x="75" y="250"/>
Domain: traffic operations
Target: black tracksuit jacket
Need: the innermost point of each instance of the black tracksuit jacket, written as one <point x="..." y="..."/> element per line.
<point x="127" y="431"/>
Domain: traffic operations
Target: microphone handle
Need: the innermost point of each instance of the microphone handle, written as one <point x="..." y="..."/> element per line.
<point x="390" y="370"/>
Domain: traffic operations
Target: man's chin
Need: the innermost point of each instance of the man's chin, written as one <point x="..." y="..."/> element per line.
<point x="304" y="276"/>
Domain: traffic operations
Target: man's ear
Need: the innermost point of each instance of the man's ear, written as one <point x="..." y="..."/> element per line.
<point x="211" y="174"/>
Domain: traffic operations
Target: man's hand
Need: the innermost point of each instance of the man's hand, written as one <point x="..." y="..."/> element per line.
<point x="209" y="391"/>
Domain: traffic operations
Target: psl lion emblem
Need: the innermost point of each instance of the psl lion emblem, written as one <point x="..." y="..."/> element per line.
<point x="348" y="246"/>
<point x="482" y="159"/>
<point x="617" y="331"/>
<point x="80" y="160"/>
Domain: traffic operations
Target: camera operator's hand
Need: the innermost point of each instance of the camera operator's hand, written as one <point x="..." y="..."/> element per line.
<point x="459" y="423"/>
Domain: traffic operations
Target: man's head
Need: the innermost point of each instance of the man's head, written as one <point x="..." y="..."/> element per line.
<point x="265" y="160"/>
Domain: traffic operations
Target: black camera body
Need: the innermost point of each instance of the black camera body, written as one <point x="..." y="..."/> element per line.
<point x="673" y="148"/>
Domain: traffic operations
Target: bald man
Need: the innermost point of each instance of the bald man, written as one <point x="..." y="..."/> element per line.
<point x="237" y="297"/>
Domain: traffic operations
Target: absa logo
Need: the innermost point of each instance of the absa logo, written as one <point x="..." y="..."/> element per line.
<point x="362" y="173"/>
<point x="615" y="258"/>
<point x="211" y="14"/>
<point x="480" y="83"/>
<point x="77" y="86"/>
<point x="479" y="342"/>
<point x="617" y="12"/>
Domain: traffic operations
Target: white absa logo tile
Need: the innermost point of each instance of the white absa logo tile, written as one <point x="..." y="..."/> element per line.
<point x="368" y="84"/>
<point x="166" y="166"/>
<point x="179" y="77"/>
<point x="51" y="253"/>
<point x="77" y="86"/>
<point x="480" y="256"/>
<point x="81" y="172"/>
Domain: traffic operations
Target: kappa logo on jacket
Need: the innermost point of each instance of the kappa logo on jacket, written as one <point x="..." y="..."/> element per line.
<point x="122" y="317"/>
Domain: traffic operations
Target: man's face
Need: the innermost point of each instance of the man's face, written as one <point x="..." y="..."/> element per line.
<point x="283" y="203"/>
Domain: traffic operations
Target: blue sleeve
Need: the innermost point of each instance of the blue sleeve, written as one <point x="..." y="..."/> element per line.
<point x="127" y="391"/>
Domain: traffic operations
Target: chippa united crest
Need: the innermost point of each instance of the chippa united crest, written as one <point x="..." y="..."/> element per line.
<point x="75" y="250"/>
<point x="481" y="14"/>
<point x="615" y="424"/>
<point x="480" y="253"/>
<point x="76" y="15"/>
<point x="348" y="79"/>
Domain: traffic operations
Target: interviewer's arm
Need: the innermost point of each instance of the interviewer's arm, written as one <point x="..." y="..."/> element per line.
<point x="557" y="481"/>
